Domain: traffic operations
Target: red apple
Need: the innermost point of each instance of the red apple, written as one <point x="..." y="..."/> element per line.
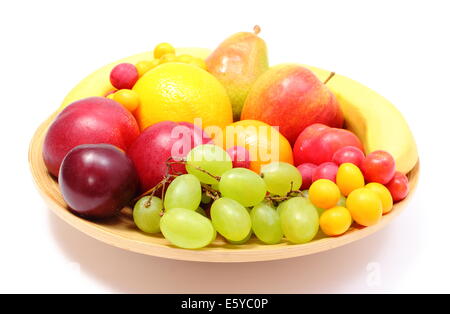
<point x="348" y="154"/>
<point x="306" y="170"/>
<point x="318" y="143"/>
<point x="160" y="142"/>
<point x="327" y="170"/>
<point x="398" y="186"/>
<point x="292" y="97"/>
<point x="378" y="166"/>
<point x="92" y="120"/>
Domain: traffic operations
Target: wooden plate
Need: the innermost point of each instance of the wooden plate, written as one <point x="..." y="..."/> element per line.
<point x="121" y="231"/>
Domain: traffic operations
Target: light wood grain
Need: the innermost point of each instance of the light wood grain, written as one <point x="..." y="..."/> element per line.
<point x="121" y="231"/>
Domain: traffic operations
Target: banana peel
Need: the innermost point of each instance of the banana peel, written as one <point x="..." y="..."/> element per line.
<point x="98" y="84"/>
<point x="377" y="122"/>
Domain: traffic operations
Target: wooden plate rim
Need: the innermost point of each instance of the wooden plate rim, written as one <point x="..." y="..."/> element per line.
<point x="226" y="253"/>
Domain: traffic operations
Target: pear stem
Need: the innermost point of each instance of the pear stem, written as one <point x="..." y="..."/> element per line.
<point x="329" y="77"/>
<point x="256" y="29"/>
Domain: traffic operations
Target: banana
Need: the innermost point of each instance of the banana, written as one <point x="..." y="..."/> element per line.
<point x="378" y="124"/>
<point x="97" y="83"/>
<point x="376" y="121"/>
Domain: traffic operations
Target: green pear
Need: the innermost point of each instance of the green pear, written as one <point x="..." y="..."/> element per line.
<point x="237" y="62"/>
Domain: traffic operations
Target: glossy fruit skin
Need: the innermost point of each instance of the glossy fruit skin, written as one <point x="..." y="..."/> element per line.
<point x="153" y="148"/>
<point x="318" y="143"/>
<point x="365" y="206"/>
<point x="348" y="154"/>
<point x="378" y="166"/>
<point x="168" y="57"/>
<point x="292" y="97"/>
<point x="299" y="220"/>
<point x="184" y="191"/>
<point x="246" y="239"/>
<point x="93" y="120"/>
<point x="239" y="156"/>
<point x="281" y="178"/>
<point x="349" y="178"/>
<point x="127" y="98"/>
<point x="186" y="228"/>
<point x="230" y="219"/>
<point x="207" y="98"/>
<point x="237" y="62"/>
<point x="163" y="49"/>
<point x="324" y="193"/>
<point x="97" y="180"/>
<point x="146" y="65"/>
<point x="335" y="221"/>
<point x="210" y="158"/>
<point x="147" y="214"/>
<point x="384" y="194"/>
<point x="243" y="185"/>
<point x="266" y="223"/>
<point x="398" y="186"/>
<point x="124" y="76"/>
<point x="327" y="170"/>
<point x="306" y="170"/>
<point x="259" y="139"/>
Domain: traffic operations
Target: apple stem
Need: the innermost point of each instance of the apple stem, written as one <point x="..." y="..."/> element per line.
<point x="329" y="77"/>
<point x="256" y="29"/>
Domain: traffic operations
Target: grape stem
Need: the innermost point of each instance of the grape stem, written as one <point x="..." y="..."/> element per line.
<point x="210" y="174"/>
<point x="210" y="191"/>
<point x="206" y="188"/>
<point x="289" y="195"/>
<point x="170" y="174"/>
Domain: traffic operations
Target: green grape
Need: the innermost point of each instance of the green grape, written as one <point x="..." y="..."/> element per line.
<point x="210" y="158"/>
<point x="279" y="176"/>
<point x="305" y="193"/>
<point x="299" y="220"/>
<point x="146" y="214"/>
<point x="206" y="199"/>
<point x="201" y="211"/>
<point x="243" y="185"/>
<point x="266" y="223"/>
<point x="214" y="235"/>
<point x="186" y="228"/>
<point x="342" y="201"/>
<point x="230" y="219"/>
<point x="248" y="237"/>
<point x="183" y="192"/>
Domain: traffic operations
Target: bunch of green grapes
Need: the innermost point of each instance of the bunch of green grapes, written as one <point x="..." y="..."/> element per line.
<point x="239" y="203"/>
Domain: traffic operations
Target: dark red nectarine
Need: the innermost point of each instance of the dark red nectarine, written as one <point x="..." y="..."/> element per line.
<point x="91" y="120"/>
<point x="157" y="143"/>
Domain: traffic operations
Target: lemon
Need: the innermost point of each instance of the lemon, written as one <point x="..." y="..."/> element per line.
<point x="181" y="92"/>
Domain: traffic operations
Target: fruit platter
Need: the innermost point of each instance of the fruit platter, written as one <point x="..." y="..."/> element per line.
<point x="217" y="156"/>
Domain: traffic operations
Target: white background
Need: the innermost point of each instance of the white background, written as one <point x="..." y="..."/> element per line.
<point x="399" y="48"/>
